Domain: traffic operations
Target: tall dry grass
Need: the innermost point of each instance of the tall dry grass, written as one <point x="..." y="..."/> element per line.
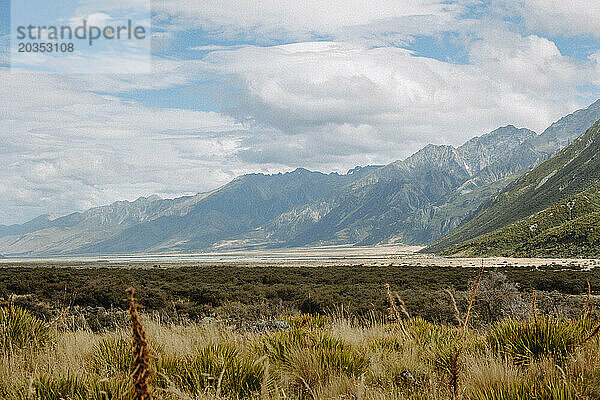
<point x="333" y="357"/>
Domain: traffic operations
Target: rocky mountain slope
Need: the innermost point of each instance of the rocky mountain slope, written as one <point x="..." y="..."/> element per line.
<point x="569" y="228"/>
<point x="556" y="189"/>
<point x="411" y="201"/>
<point x="379" y="207"/>
<point x="182" y="224"/>
<point x="420" y="199"/>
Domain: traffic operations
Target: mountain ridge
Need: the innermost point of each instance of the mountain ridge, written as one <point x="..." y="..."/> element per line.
<point x="76" y="233"/>
<point x="571" y="171"/>
<point x="412" y="201"/>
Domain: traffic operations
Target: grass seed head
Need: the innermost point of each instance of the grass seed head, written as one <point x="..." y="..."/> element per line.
<point x="141" y="367"/>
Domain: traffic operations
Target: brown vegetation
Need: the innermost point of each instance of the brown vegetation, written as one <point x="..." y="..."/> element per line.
<point x="338" y="356"/>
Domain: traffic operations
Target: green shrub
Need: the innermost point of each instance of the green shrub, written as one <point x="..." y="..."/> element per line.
<point x="50" y="387"/>
<point x="218" y="366"/>
<point x="72" y="387"/>
<point x="525" y="341"/>
<point x="387" y="343"/>
<point x="279" y="345"/>
<point x="426" y="332"/>
<point x="333" y="355"/>
<point x="112" y="355"/>
<point x="339" y="357"/>
<point x="19" y="328"/>
<point x="120" y="388"/>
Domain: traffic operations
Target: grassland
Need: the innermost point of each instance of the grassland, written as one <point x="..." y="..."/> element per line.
<point x="333" y="357"/>
<point x="531" y="332"/>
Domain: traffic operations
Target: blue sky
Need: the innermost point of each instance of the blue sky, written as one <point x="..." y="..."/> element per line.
<point x="239" y="86"/>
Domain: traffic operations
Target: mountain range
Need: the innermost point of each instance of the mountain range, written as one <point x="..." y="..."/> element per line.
<point x="553" y="210"/>
<point x="413" y="201"/>
<point x="185" y="223"/>
<point x="420" y="199"/>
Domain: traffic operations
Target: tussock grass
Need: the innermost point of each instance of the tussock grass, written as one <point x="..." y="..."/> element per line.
<point x="19" y="328"/>
<point x="217" y="368"/>
<point x="321" y="357"/>
<point x="341" y="360"/>
<point x="526" y="341"/>
<point x="70" y="387"/>
<point x="525" y="389"/>
<point x="112" y="355"/>
<point x="308" y="321"/>
<point x="56" y="388"/>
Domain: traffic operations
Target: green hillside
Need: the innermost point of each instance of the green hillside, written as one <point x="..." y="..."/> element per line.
<point x="569" y="172"/>
<point x="570" y="228"/>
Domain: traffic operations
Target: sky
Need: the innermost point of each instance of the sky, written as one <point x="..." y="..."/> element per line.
<point x="238" y="86"/>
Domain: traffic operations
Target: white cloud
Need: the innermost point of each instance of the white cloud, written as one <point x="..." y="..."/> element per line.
<point x="213" y="48"/>
<point x="67" y="149"/>
<point x="166" y="73"/>
<point x="311" y="87"/>
<point x="96" y="19"/>
<point x="556" y="17"/>
<point x="595" y="78"/>
<point x="274" y="19"/>
<point x="534" y="82"/>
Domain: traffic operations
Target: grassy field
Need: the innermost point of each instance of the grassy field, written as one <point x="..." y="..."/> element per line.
<point x="530" y="333"/>
<point x="333" y="357"/>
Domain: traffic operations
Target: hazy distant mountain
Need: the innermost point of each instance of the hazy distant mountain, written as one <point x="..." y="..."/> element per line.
<point x="412" y="201"/>
<point x="41" y="222"/>
<point x="45" y="235"/>
<point x="554" y="210"/>
<point x="182" y="224"/>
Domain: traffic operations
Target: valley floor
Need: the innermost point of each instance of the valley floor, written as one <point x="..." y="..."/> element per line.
<point x="383" y="255"/>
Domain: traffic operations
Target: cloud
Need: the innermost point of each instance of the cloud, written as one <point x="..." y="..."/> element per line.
<point x="555" y="17"/>
<point x="595" y="58"/>
<point x="320" y="87"/>
<point x="95" y="19"/>
<point x="535" y="83"/>
<point x="331" y="105"/>
<point x="64" y="148"/>
<point x="278" y="19"/>
<point x="213" y="47"/>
